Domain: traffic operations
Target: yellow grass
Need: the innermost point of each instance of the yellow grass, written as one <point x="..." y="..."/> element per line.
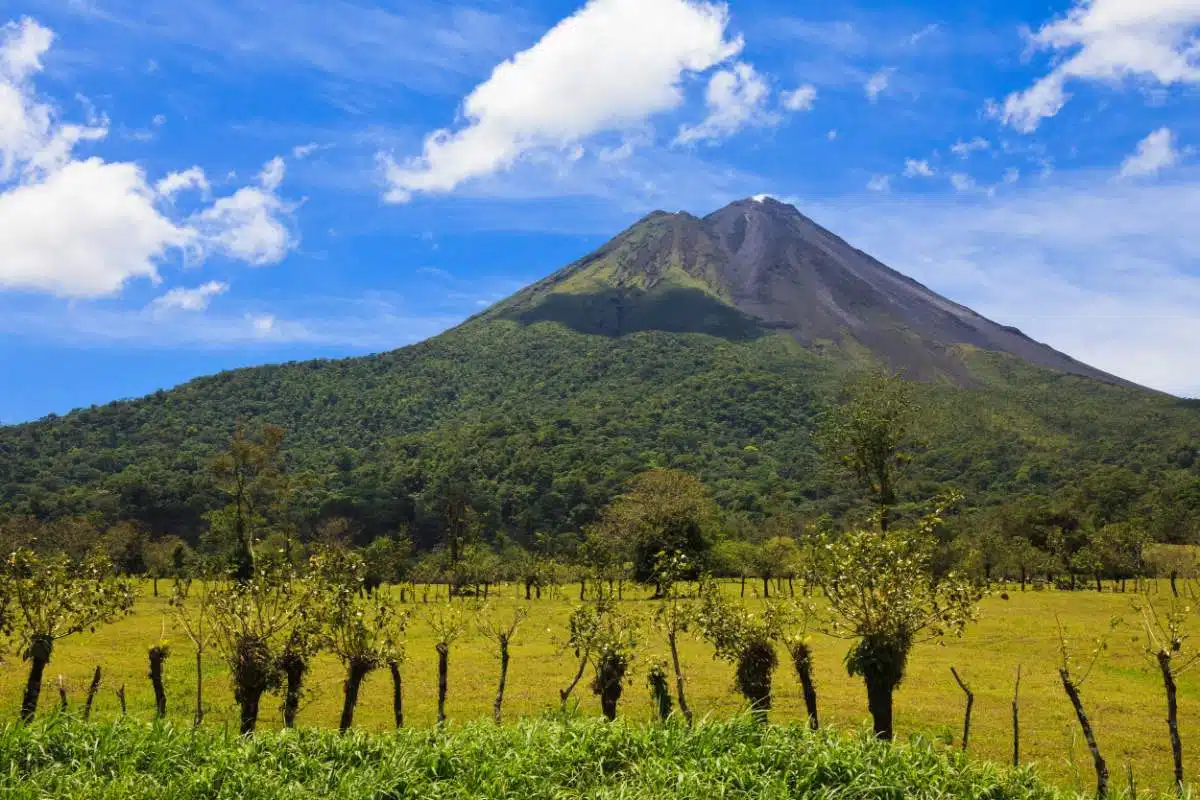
<point x="1123" y="695"/>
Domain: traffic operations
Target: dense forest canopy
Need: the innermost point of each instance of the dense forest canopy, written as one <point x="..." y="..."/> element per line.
<point x="543" y="425"/>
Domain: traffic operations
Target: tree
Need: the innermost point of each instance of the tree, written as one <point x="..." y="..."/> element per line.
<point x="745" y="640"/>
<point x="251" y="476"/>
<point x="1073" y="678"/>
<point x="663" y="511"/>
<point x="777" y="557"/>
<point x="449" y="623"/>
<point x="50" y="598"/>
<point x="165" y="558"/>
<point x="884" y="595"/>
<point x="734" y="558"/>
<point x="386" y="560"/>
<point x="253" y="620"/>
<point x="1168" y="649"/>
<point x="673" y="616"/>
<point x="869" y="432"/>
<point x="501" y="632"/>
<point x="193" y="613"/>
<point x="365" y="633"/>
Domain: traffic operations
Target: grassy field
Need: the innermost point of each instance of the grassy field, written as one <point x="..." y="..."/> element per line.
<point x="1123" y="694"/>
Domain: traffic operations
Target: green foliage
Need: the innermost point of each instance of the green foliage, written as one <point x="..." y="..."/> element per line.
<point x="884" y="595"/>
<point x="49" y="598"/>
<point x="65" y="759"/>
<point x="547" y="425"/>
<point x="664" y="511"/>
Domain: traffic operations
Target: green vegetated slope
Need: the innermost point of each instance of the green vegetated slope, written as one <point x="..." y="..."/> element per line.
<point x="706" y="345"/>
<point x="550" y="422"/>
<point x="536" y="759"/>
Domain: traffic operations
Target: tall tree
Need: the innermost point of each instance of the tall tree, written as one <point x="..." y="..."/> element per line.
<point x="869" y="433"/>
<point x="251" y="476"/>
<point x="663" y="511"/>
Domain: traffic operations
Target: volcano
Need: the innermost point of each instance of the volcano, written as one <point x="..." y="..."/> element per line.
<point x="711" y="345"/>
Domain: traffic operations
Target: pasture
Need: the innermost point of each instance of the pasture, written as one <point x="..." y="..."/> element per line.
<point x="1123" y="695"/>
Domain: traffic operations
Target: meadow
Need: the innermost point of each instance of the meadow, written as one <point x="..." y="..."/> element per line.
<point x="1123" y="694"/>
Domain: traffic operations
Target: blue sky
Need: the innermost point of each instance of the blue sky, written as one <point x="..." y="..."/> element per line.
<point x="188" y="187"/>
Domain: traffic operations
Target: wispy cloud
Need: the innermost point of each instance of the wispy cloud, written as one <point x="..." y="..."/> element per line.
<point x="1098" y="269"/>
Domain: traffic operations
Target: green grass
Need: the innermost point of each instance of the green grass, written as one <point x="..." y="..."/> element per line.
<point x="1123" y="694"/>
<point x="68" y="760"/>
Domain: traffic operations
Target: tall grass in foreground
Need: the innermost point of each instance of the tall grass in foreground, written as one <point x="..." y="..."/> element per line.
<point x="63" y="758"/>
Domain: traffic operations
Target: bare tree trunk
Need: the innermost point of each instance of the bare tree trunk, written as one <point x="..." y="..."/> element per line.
<point x="355" y="673"/>
<point x="743" y="586"/>
<point x="683" y="706"/>
<point x="294" y="669"/>
<point x="565" y="694"/>
<point x="1016" y="719"/>
<point x="966" y="737"/>
<point x="39" y="657"/>
<point x="503" y="678"/>
<point x="879" y="703"/>
<point x="1098" y="760"/>
<point x="249" y="711"/>
<point x="1164" y="664"/>
<point x="766" y="588"/>
<point x="199" y="718"/>
<point x="582" y="586"/>
<point x="62" y="694"/>
<point x="802" y="660"/>
<point x="1174" y="577"/>
<point x="157" y="656"/>
<point x="91" y="694"/>
<point x="121" y="697"/>
<point x="397" y="693"/>
<point x="443" y="651"/>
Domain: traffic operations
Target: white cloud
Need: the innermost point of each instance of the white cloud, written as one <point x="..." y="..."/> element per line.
<point x="917" y="169"/>
<point x="176" y="182"/>
<point x="1012" y="175"/>
<point x="158" y="121"/>
<point x="1154" y="153"/>
<point x="1109" y="40"/>
<point x="196" y="299"/>
<point x="249" y="224"/>
<point x="964" y="149"/>
<point x="961" y="182"/>
<point x="1102" y="270"/>
<point x="303" y="151"/>
<point x="832" y="135"/>
<point x="82" y="227"/>
<point x="800" y="99"/>
<point x="921" y="34"/>
<point x="609" y="67"/>
<point x="736" y="99"/>
<point x="879" y="183"/>
<point x="877" y="84"/>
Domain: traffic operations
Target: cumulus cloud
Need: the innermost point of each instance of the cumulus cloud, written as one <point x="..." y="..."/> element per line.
<point x="196" y="299"/>
<point x="914" y="168"/>
<point x="961" y="182"/>
<point x="1109" y="41"/>
<point x="1154" y="153"/>
<point x="800" y="99"/>
<point x="609" y="67"/>
<point x="877" y="84"/>
<point x="879" y="183"/>
<point x="736" y="99"/>
<point x="82" y="227"/>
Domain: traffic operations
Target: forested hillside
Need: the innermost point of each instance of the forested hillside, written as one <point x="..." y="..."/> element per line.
<point x="708" y="345"/>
